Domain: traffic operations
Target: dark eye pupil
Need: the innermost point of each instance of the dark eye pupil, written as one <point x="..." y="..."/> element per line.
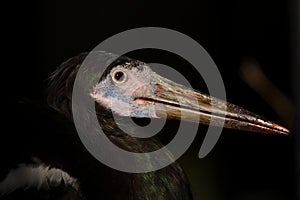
<point x="119" y="76"/>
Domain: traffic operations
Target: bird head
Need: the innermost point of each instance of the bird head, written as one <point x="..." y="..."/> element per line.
<point x="131" y="88"/>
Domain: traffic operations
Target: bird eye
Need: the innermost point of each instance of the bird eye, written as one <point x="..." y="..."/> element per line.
<point x="119" y="76"/>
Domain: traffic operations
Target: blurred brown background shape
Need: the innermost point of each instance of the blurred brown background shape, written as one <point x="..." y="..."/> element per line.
<point x="40" y="35"/>
<point x="253" y="75"/>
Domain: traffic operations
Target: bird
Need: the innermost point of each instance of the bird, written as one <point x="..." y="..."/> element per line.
<point x="44" y="157"/>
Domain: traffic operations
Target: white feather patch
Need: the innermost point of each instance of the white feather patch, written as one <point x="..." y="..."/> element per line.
<point x="35" y="176"/>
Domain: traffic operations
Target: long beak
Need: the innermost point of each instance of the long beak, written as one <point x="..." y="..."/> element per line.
<point x="180" y="102"/>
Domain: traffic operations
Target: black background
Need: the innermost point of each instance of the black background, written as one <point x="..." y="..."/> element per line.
<point x="38" y="36"/>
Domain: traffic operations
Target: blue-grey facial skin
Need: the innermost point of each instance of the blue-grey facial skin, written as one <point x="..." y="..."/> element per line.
<point x="121" y="96"/>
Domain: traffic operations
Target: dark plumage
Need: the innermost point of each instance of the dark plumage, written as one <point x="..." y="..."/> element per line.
<point x="167" y="183"/>
<point x="55" y="142"/>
